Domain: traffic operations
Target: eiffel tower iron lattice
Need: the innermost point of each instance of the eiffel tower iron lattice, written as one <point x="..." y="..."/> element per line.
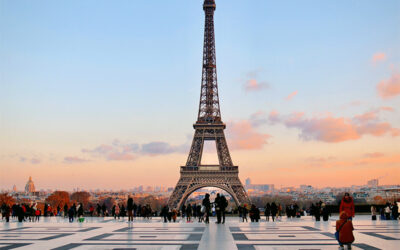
<point x="209" y="126"/>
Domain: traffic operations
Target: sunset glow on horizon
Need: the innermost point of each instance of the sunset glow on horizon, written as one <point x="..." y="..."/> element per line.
<point x="98" y="94"/>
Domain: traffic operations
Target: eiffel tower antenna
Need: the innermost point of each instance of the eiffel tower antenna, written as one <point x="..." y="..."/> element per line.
<point x="210" y="127"/>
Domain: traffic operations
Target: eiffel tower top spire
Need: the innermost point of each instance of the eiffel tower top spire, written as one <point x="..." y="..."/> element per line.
<point x="209" y="111"/>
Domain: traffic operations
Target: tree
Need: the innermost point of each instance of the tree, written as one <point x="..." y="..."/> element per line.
<point x="81" y="197"/>
<point x="6" y="199"/>
<point x="58" y="198"/>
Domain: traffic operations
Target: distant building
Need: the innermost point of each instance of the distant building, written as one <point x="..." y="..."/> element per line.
<point x="373" y="183"/>
<point x="248" y="182"/>
<point x="14" y="188"/>
<point x="30" y="186"/>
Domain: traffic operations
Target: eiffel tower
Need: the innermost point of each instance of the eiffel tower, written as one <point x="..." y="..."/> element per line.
<point x="209" y="126"/>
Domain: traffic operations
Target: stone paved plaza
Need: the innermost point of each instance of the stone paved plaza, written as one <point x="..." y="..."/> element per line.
<point x="106" y="233"/>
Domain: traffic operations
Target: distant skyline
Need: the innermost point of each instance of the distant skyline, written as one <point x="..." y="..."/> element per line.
<point x="103" y="94"/>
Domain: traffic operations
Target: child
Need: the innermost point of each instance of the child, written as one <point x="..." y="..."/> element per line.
<point x="344" y="227"/>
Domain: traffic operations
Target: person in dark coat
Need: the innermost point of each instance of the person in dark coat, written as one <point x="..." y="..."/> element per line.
<point x="207" y="204"/>
<point x="104" y="209"/>
<point x="65" y="210"/>
<point x="274" y="211"/>
<point x="129" y="207"/>
<point x="395" y="211"/>
<point x="71" y="214"/>
<point x="325" y="212"/>
<point x="217" y="203"/>
<point x="224" y="205"/>
<point x="267" y="211"/>
<point x="188" y="213"/>
<point x="317" y="212"/>
<point x="164" y="213"/>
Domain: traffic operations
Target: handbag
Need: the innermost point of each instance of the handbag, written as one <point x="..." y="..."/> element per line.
<point x="337" y="232"/>
<point x="203" y="209"/>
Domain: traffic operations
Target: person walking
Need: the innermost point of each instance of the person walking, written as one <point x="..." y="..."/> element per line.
<point x="207" y="206"/>
<point x="344" y="230"/>
<point x="347" y="205"/>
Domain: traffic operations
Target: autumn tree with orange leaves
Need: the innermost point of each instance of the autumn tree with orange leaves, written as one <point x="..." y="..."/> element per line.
<point x="7" y="199"/>
<point x="58" y="198"/>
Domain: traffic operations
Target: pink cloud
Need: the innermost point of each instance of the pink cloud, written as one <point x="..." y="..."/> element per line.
<point x="35" y="161"/>
<point x="374" y="155"/>
<point x="332" y="129"/>
<point x="389" y="88"/>
<point x="378" y="57"/>
<point x="242" y="135"/>
<point x="291" y="95"/>
<point x="254" y="85"/>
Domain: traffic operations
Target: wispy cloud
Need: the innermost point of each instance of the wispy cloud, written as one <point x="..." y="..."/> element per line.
<point x="378" y="57"/>
<point x="291" y="95"/>
<point x="35" y="161"/>
<point x="389" y="88"/>
<point x="254" y="85"/>
<point x="374" y="155"/>
<point x="74" y="159"/>
<point x="251" y="83"/>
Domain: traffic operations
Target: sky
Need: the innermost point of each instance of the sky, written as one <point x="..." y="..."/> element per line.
<point x="103" y="94"/>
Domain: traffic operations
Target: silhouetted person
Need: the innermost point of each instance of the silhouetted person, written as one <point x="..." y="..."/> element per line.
<point x="207" y="205"/>
<point x="267" y="211"/>
<point x="217" y="203"/>
<point x="224" y="205"/>
<point x="274" y="211"/>
<point x="71" y="214"/>
<point x="129" y="206"/>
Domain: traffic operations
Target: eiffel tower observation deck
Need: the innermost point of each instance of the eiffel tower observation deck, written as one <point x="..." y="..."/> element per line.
<point x="208" y="127"/>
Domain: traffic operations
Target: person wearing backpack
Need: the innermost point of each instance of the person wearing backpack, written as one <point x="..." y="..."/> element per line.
<point x="344" y="230"/>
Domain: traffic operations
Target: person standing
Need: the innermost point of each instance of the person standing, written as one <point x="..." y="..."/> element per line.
<point x="347" y="205"/>
<point x="344" y="229"/>
<point x="267" y="211"/>
<point x="129" y="206"/>
<point x="188" y="213"/>
<point x="71" y="214"/>
<point x="65" y="210"/>
<point x="217" y="203"/>
<point x="274" y="210"/>
<point x="373" y="212"/>
<point x="164" y="213"/>
<point x="207" y="205"/>
<point x="395" y="211"/>
<point x="224" y="205"/>
<point x="387" y="211"/>
<point x="325" y="212"/>
<point x="245" y="211"/>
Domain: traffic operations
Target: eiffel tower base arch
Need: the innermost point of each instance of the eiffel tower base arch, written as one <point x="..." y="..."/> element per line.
<point x="192" y="181"/>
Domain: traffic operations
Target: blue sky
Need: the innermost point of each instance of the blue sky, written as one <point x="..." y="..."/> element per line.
<point x="77" y="74"/>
